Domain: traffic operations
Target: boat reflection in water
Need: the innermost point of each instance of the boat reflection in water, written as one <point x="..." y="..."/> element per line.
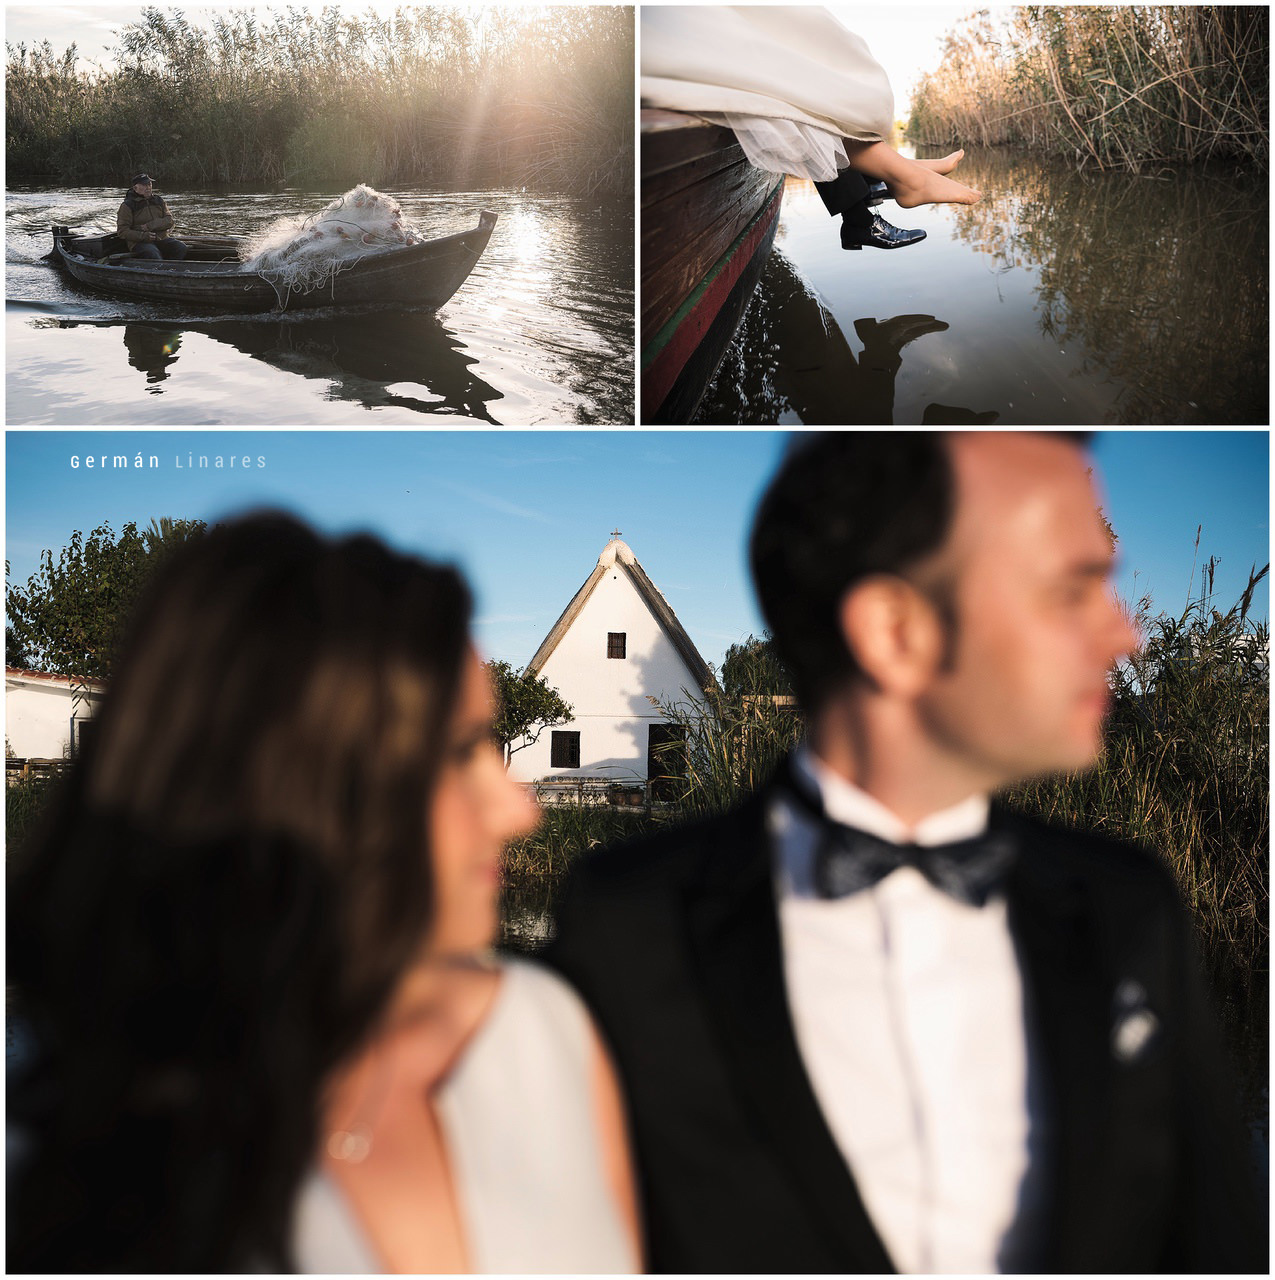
<point x="152" y="349"/>
<point x="708" y="223"/>
<point x="1066" y="296"/>
<point x="407" y="360"/>
<point x="791" y="361"/>
<point x="541" y="331"/>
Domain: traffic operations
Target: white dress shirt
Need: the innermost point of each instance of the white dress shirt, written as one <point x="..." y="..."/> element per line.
<point x="908" y="1010"/>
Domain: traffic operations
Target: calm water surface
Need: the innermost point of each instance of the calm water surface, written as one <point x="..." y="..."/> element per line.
<point x="541" y="332"/>
<point x="1060" y="298"/>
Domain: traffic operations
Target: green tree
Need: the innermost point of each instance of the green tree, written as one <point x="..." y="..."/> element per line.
<point x="525" y="707"/>
<point x="15" y="652"/>
<point x="752" y="667"/>
<point x="70" y="617"/>
<point x="166" y="534"/>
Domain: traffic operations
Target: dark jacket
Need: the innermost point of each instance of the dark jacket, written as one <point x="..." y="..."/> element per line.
<point x="675" y="944"/>
<point x="138" y="216"/>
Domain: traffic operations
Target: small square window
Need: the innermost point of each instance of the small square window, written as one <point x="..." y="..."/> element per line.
<point x="617" y="642"/>
<point x="564" y="749"/>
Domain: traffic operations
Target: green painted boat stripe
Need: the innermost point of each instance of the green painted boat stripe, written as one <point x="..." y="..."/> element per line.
<point x="661" y="339"/>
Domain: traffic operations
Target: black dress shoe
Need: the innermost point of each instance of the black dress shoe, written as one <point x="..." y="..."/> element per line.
<point x="877" y="191"/>
<point x="880" y="234"/>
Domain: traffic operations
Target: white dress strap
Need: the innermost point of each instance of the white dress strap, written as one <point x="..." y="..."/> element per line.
<point x="519" y="1118"/>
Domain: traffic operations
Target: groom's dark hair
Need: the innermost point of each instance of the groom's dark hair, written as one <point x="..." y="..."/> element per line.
<point x="843" y="506"/>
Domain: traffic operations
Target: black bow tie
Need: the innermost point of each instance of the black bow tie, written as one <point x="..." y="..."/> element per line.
<point x="848" y="860"/>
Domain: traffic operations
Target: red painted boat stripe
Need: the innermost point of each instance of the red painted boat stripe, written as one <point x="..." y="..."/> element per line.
<point x="673" y="346"/>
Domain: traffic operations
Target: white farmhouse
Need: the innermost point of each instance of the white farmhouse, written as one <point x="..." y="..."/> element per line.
<point x="45" y="715"/>
<point x="616" y="645"/>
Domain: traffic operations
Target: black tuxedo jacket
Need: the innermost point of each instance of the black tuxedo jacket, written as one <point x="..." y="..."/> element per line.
<point x="675" y="945"/>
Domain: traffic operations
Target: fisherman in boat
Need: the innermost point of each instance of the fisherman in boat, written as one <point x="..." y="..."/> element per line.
<point x="144" y="221"/>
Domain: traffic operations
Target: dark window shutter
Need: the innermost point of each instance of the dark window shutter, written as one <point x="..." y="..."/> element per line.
<point x="564" y="749"/>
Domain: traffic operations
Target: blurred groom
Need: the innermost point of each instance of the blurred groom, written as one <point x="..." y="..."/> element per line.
<point x="870" y="1021"/>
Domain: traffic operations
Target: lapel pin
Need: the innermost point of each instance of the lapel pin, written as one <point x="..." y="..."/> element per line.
<point x="1134" y="1025"/>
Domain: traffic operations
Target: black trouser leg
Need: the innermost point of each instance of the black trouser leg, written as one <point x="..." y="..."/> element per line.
<point x="848" y="188"/>
<point x="845" y="195"/>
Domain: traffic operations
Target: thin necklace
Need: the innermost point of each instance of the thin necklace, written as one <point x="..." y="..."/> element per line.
<point x="354" y="1143"/>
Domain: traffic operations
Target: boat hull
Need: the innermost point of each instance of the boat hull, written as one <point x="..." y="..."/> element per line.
<point x="424" y="275"/>
<point x="708" y="223"/>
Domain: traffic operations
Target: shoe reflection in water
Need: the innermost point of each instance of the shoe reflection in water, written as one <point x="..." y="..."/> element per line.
<point x="813" y="371"/>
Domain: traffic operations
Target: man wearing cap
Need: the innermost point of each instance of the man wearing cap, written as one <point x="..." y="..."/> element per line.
<point x="871" y="1020"/>
<point x="144" y="222"/>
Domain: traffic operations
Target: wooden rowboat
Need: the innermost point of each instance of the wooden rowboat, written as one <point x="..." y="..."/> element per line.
<point x="212" y="276"/>
<point x="708" y="222"/>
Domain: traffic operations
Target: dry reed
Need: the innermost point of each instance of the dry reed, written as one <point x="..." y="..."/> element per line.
<point x="1111" y="86"/>
<point x="447" y="96"/>
<point x="1184" y="770"/>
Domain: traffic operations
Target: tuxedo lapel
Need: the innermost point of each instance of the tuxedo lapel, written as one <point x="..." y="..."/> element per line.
<point x="734" y="932"/>
<point x="1067" y="987"/>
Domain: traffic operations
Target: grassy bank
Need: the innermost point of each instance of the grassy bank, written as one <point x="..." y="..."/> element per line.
<point x="1185" y="771"/>
<point x="565" y="832"/>
<point x="24" y="802"/>
<point x="450" y="98"/>
<point x="1110" y="86"/>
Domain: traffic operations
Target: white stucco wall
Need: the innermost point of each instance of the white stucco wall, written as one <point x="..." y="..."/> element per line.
<point x="38" y="715"/>
<point x="609" y="695"/>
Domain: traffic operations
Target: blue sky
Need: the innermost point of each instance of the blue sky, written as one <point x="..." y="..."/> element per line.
<point x="1162" y="485"/>
<point x="525" y="514"/>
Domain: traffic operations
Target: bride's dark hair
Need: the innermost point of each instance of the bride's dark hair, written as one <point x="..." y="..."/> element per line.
<point x="232" y="881"/>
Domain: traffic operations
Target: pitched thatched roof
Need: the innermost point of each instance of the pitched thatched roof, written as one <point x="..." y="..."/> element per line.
<point x="617" y="553"/>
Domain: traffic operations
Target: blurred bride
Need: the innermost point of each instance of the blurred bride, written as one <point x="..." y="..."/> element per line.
<point x="251" y="950"/>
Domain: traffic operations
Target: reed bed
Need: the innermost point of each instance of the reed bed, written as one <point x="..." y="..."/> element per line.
<point x="452" y="97"/>
<point x="567" y="831"/>
<point x="25" y="802"/>
<point x="730" y="746"/>
<point x="1111" y="86"/>
<point x="733" y="743"/>
<point x="1184" y="770"/>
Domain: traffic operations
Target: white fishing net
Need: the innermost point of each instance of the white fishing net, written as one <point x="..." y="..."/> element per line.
<point x="306" y="253"/>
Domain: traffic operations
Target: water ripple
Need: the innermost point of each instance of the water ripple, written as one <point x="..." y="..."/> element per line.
<point x="541" y="332"/>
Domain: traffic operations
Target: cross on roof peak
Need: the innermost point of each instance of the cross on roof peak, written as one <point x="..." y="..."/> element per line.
<point x="615" y="533"/>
